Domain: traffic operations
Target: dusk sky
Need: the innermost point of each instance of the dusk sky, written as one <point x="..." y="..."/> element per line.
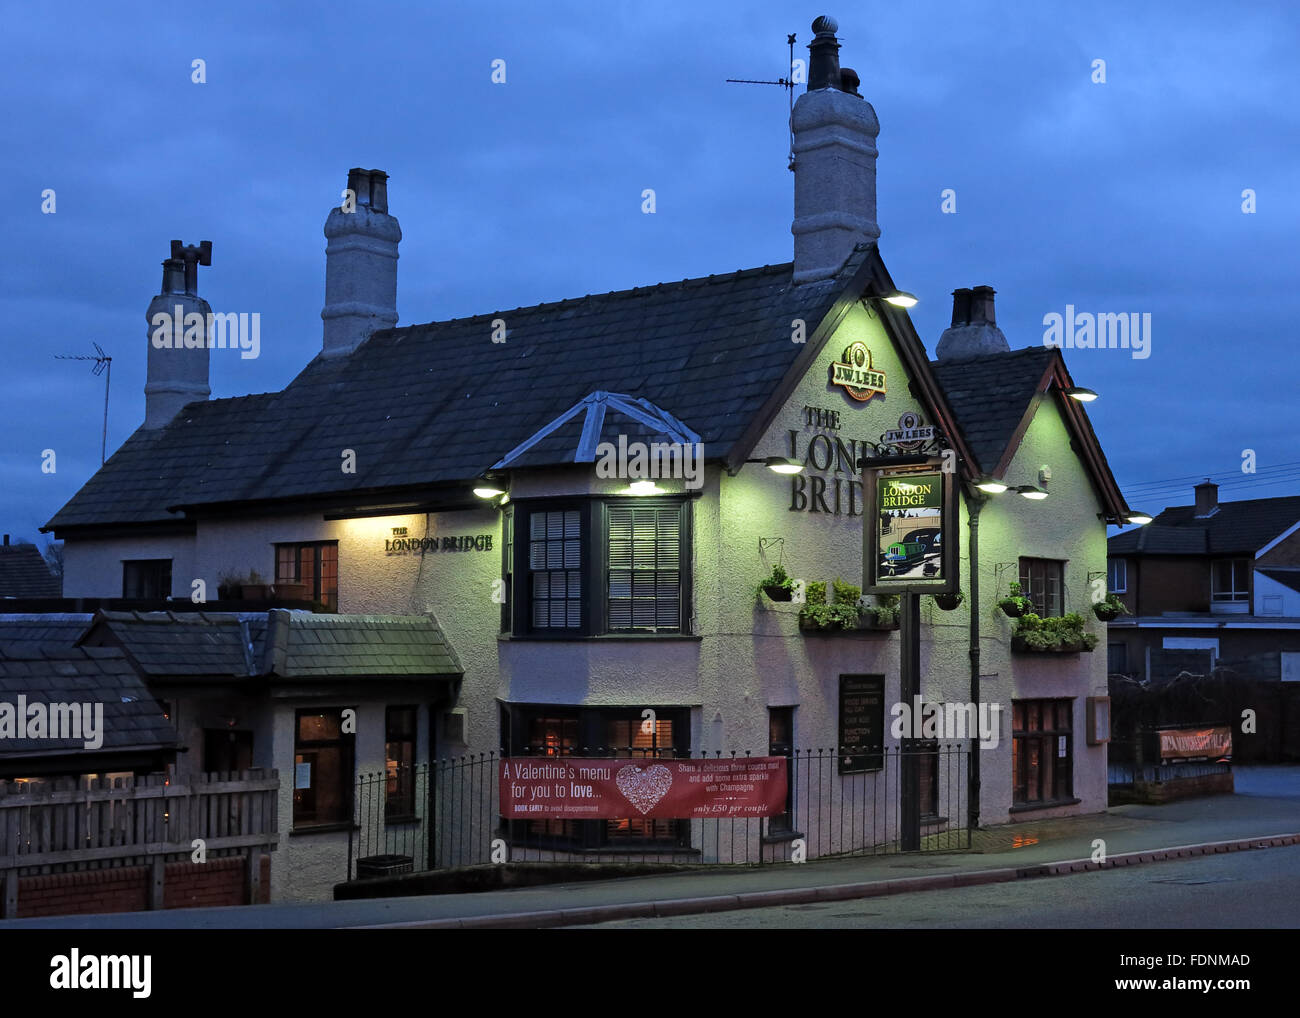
<point x="1122" y="196"/>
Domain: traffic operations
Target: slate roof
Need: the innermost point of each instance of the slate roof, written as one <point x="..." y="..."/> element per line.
<point x="23" y="573"/>
<point x="281" y="644"/>
<point x="989" y="395"/>
<point x="1287" y="577"/>
<point x="1238" y="528"/>
<point x="33" y="633"/>
<point x="441" y="402"/>
<point x="132" y="719"/>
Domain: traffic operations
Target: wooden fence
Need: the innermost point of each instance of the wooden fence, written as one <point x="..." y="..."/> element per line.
<point x="70" y="824"/>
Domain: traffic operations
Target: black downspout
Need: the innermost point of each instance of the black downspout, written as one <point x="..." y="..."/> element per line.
<point x="974" y="505"/>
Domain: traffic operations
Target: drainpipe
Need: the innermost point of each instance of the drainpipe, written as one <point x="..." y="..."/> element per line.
<point x="974" y="505"/>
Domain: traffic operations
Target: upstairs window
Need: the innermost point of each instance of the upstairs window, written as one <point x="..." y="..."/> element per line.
<point x="1230" y="580"/>
<point x="147" y="578"/>
<point x="314" y="564"/>
<point x="555" y="541"/>
<point x="644" y="568"/>
<point x="1042" y="581"/>
<point x="1117" y="575"/>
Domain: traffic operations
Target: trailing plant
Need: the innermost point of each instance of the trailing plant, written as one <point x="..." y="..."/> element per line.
<point x="778" y="586"/>
<point x="1110" y="607"/>
<point x="1014" y="604"/>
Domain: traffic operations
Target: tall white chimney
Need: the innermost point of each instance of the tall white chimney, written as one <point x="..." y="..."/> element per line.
<point x="834" y="162"/>
<point x="177" y="371"/>
<point x="360" y="264"/>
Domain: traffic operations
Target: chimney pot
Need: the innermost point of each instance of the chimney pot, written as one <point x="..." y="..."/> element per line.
<point x="961" y="306"/>
<point x="849" y="81"/>
<point x="981" y="305"/>
<point x="824" y="55"/>
<point x="6" y="540"/>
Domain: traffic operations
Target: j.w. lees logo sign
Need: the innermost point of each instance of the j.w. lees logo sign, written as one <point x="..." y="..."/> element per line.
<point x="854" y="372"/>
<point x="400" y="543"/>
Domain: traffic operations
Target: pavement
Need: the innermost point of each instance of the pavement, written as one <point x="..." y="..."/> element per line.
<point x="1264" y="813"/>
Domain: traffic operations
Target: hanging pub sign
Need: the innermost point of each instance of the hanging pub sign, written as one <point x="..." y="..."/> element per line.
<point x="853" y="371"/>
<point x="909" y="533"/>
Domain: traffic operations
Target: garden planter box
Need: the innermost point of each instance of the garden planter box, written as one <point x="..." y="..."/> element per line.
<point x="1018" y="646"/>
<point x="253" y="591"/>
<point x="292" y="592"/>
<point x="870" y="625"/>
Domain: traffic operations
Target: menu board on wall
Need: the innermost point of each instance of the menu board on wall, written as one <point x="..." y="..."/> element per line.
<point x="862" y="723"/>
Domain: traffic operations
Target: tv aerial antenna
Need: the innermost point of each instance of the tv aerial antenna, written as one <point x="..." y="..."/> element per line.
<point x="786" y="83"/>
<point x="103" y="366"/>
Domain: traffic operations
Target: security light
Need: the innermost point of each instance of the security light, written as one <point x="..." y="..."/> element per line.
<point x="644" y="488"/>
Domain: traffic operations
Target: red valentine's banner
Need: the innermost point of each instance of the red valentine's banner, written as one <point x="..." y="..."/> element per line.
<point x="577" y="788"/>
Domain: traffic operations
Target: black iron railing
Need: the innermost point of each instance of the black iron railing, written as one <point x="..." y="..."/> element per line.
<point x="447" y="814"/>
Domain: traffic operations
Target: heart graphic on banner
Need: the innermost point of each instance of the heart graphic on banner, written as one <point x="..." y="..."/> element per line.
<point x="644" y="788"/>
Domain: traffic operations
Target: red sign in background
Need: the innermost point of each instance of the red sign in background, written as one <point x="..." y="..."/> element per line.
<point x="576" y="788"/>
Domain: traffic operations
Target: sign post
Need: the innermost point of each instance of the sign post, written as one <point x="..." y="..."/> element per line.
<point x="909" y="548"/>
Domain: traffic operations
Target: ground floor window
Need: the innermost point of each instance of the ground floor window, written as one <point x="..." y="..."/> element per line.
<point x="1042" y="751"/>
<point x="615" y="732"/>
<point x="399" y="757"/>
<point x="227" y="749"/>
<point x="323" y="768"/>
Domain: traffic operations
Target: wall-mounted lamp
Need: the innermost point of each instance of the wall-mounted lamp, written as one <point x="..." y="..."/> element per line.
<point x="900" y="299"/>
<point x="1081" y="394"/>
<point x="644" y="488"/>
<point x="780" y="464"/>
<point x="991" y="485"/>
<point x="1031" y="491"/>
<point x="485" y="487"/>
<point x="1138" y="517"/>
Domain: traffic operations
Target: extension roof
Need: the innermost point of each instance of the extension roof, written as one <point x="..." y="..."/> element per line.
<point x="23" y="573"/>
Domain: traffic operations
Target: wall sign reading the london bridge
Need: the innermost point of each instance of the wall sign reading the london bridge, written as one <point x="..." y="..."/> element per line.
<point x="400" y="543"/>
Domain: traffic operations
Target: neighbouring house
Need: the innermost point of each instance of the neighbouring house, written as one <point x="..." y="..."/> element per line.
<point x="24" y="573"/>
<point x="459" y="471"/>
<point x="1209" y="584"/>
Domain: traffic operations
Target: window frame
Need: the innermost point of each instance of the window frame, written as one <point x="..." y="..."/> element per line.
<point x="405" y="807"/>
<point x="1026" y="565"/>
<point x="318" y="584"/>
<point x="1048" y="738"/>
<point x="346" y="742"/>
<point x="594" y="568"/>
<point x="1111" y="586"/>
<point x="1235" y="595"/>
<point x="156" y="564"/>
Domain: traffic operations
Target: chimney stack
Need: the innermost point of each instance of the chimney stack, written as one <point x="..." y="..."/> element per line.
<point x="360" y="265"/>
<point x="834" y="132"/>
<point x="1207" y="498"/>
<point x="974" y="331"/>
<point x="178" y="354"/>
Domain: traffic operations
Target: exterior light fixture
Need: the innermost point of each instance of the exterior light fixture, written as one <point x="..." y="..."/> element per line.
<point x="485" y="488"/>
<point x="1031" y="491"/>
<point x="991" y="485"/>
<point x="900" y="299"/>
<point x="1081" y="394"/>
<point x="780" y="464"/>
<point x="644" y="488"/>
<point x="1138" y="517"/>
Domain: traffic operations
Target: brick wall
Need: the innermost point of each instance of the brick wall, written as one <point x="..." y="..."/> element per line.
<point x="126" y="889"/>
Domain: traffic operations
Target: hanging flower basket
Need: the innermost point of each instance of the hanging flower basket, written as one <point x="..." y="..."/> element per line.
<point x="950" y="602"/>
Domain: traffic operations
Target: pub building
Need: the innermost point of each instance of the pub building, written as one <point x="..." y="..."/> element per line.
<point x="448" y="471"/>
